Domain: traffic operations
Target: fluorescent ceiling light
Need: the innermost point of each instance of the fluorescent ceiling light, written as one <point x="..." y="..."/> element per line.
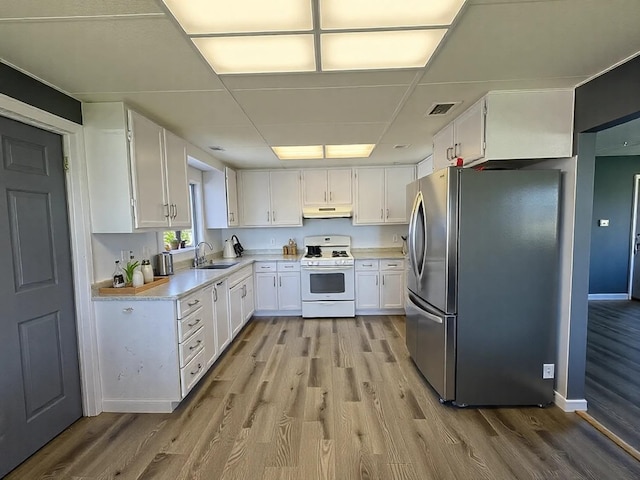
<point x="378" y="50"/>
<point x="299" y="152"/>
<point x="224" y="16"/>
<point x="349" y="151"/>
<point x="259" y="54"/>
<point x="342" y="14"/>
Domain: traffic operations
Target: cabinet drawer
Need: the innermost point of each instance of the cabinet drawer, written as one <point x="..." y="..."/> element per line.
<point x="367" y="264"/>
<point x="191" y="303"/>
<point x="188" y="325"/>
<point x="288" y="266"/>
<point x="240" y="275"/>
<point x="392" y="264"/>
<point x="191" y="347"/>
<point x="192" y="372"/>
<point x="266" y="267"/>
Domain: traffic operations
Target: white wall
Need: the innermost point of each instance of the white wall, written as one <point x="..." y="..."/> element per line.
<point x="373" y="236"/>
<point x="568" y="167"/>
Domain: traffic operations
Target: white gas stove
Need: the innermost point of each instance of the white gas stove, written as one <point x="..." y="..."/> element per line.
<point x="327" y="276"/>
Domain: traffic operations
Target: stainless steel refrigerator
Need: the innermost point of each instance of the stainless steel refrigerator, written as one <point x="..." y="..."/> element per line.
<point x="483" y="280"/>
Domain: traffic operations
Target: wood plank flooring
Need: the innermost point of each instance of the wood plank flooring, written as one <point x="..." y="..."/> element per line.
<point x="327" y="399"/>
<point x="613" y="367"/>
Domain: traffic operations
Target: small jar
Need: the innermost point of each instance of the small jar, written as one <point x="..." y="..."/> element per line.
<point x="147" y="271"/>
<point x="137" y="279"/>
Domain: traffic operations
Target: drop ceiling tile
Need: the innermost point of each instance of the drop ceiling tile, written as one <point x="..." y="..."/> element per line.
<point x="107" y="55"/>
<point x="74" y="8"/>
<point x="360" y="104"/>
<point x="537" y="39"/>
<point x="322" y="134"/>
<point x="224" y="136"/>
<point x="249" y="157"/>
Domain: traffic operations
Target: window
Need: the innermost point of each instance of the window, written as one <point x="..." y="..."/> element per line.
<point x="178" y="239"/>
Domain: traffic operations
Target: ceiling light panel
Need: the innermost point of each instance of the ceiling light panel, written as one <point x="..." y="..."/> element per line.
<point x="378" y="50"/>
<point x="299" y="152"/>
<point x="258" y="54"/>
<point x="347" y="14"/>
<point x="239" y="16"/>
<point x="349" y="151"/>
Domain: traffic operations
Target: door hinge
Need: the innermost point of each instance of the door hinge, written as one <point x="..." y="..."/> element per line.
<point x="129" y="135"/>
<point x="66" y="165"/>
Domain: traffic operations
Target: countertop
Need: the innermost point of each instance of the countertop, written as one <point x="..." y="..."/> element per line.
<point x="188" y="280"/>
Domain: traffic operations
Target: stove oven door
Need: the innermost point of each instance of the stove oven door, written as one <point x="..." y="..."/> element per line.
<point x="327" y="283"/>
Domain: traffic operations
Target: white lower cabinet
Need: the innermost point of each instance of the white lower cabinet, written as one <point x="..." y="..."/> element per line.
<point x="380" y="286"/>
<point x="240" y="299"/>
<point x="221" y="315"/>
<point x="277" y="287"/>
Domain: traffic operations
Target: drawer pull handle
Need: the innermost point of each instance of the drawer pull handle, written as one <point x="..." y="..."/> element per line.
<point x="193" y="347"/>
<point x="195" y="302"/>
<point x="392" y="264"/>
<point x="127" y="310"/>
<point x="198" y="370"/>
<point x="367" y="264"/>
<point x="194" y="323"/>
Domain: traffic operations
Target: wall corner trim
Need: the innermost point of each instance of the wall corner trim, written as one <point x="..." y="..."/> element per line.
<point x="569" y="405"/>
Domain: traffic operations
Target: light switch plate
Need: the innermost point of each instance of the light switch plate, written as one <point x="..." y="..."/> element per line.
<point x="603" y="222"/>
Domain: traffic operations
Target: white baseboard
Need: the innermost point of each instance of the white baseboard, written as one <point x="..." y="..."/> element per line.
<point x="386" y="311"/>
<point x="277" y="313"/>
<point x="569" y="405"/>
<point x="608" y="296"/>
<point x="138" y="406"/>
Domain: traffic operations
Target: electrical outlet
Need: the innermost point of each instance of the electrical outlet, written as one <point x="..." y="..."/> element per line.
<point x="548" y="370"/>
<point x="273" y="241"/>
<point x="395" y="238"/>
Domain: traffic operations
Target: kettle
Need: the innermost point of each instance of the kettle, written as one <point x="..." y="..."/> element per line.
<point x="228" y="251"/>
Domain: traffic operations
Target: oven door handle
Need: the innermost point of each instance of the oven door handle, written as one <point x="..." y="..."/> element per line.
<point x="328" y="269"/>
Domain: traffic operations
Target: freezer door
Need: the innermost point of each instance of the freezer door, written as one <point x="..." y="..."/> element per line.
<point x="431" y="336"/>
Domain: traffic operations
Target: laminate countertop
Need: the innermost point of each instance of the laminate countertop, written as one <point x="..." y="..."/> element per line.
<point x="377" y="254"/>
<point x="187" y="280"/>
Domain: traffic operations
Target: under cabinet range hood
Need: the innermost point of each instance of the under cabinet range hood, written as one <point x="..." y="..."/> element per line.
<point x="337" y="211"/>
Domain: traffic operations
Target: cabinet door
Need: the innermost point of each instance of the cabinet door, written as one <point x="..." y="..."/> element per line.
<point x="397" y="180"/>
<point x="369" y="196"/>
<point x="289" y="297"/>
<point x="210" y="346"/>
<point x="221" y="314"/>
<point x="469" y="133"/>
<point x="266" y="291"/>
<point x="392" y="293"/>
<point x="314" y="187"/>
<point x="443" y="147"/>
<point x="339" y="186"/>
<point x="235" y="308"/>
<point x="151" y="208"/>
<point x="285" y="198"/>
<point x="367" y="290"/>
<point x="256" y="203"/>
<point x="248" y="302"/>
<point x="177" y="184"/>
<point x="232" y="197"/>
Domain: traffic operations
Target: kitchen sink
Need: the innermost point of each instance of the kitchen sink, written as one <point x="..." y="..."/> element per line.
<point x="217" y="266"/>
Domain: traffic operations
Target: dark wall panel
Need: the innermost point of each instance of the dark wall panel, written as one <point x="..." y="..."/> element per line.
<point x="612" y="200"/>
<point x="22" y="87"/>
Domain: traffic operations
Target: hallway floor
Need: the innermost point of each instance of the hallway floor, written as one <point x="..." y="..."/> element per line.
<point x="613" y="367"/>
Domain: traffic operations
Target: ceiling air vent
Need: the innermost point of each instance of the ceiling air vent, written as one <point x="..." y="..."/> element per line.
<point x="441" y="108"/>
<point x="216" y="148"/>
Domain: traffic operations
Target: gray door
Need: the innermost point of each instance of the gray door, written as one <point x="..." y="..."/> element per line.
<point x="39" y="376"/>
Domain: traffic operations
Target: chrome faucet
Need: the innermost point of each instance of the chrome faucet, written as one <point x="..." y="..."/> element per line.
<point x="200" y="259"/>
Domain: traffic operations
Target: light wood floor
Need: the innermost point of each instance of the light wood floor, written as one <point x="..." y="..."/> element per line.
<point x="305" y="399"/>
<point x="613" y="367"/>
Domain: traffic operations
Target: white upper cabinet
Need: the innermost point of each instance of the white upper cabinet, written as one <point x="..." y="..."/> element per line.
<point x="137" y="172"/>
<point x="270" y="198"/>
<point x="508" y="125"/>
<point x="381" y="194"/>
<point x="327" y="186"/>
<point x="220" y="198"/>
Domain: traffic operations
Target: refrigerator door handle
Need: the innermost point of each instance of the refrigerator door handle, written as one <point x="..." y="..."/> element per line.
<point x="412" y="233"/>
<point x="412" y="305"/>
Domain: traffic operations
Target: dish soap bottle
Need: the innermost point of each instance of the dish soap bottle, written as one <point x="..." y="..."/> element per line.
<point x="118" y="276"/>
